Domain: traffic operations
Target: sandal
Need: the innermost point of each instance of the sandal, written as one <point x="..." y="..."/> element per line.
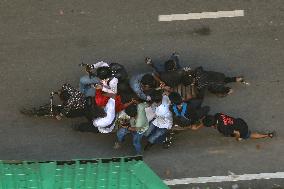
<point x="271" y="134"/>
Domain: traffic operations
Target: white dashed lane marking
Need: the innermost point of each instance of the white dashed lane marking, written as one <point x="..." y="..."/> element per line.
<point x="202" y="15"/>
<point x="229" y="178"/>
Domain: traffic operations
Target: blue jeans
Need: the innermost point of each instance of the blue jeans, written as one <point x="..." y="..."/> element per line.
<point x="85" y="85"/>
<point x="155" y="134"/>
<point x="122" y="132"/>
<point x="161" y="67"/>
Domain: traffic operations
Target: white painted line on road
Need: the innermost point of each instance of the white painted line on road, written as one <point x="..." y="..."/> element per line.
<point x="193" y="16"/>
<point x="229" y="178"/>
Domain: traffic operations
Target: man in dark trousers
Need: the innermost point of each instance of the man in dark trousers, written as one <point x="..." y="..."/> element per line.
<point x="215" y="82"/>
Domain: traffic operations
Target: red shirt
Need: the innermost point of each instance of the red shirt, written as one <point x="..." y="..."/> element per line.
<point x="102" y="100"/>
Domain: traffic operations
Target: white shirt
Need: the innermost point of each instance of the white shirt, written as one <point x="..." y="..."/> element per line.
<point x="110" y="87"/>
<point x="164" y="117"/>
<point x="103" y="123"/>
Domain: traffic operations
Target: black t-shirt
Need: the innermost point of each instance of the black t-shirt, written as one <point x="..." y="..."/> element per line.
<point x="225" y="124"/>
<point x="242" y="127"/>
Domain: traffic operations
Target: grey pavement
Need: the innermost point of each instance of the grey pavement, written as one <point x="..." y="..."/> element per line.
<point x="42" y="42"/>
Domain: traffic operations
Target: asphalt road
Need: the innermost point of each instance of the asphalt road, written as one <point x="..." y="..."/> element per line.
<point x="42" y="42"/>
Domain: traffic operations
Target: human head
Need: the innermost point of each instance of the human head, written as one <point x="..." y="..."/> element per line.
<point x="131" y="110"/>
<point x="147" y="82"/>
<point x="175" y="98"/>
<point x="104" y="72"/>
<point x="170" y="65"/>
<point x="156" y="96"/>
<point x="209" y="121"/>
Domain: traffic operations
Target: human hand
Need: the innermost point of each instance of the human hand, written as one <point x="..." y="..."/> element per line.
<point x="131" y="128"/>
<point x="98" y="86"/>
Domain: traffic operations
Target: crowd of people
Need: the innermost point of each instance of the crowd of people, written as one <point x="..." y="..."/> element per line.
<point x="150" y="105"/>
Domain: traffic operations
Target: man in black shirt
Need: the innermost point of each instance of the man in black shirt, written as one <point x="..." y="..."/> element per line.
<point x="215" y="82"/>
<point x="234" y="127"/>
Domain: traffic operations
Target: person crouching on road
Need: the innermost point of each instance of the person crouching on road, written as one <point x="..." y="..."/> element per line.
<point x="186" y="113"/>
<point x="138" y="124"/>
<point x="232" y="127"/>
<point x="163" y="120"/>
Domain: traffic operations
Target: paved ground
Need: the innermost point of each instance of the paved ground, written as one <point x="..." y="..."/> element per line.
<point x="42" y="42"/>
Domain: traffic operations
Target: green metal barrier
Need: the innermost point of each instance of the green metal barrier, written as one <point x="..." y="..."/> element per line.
<point x="115" y="173"/>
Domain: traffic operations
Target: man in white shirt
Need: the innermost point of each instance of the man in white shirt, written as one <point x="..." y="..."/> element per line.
<point x="108" y="81"/>
<point x="106" y="124"/>
<point x="163" y="120"/>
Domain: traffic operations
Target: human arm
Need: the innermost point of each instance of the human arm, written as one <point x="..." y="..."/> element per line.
<point x="135" y="86"/>
<point x="195" y="127"/>
<point x="99" y="64"/>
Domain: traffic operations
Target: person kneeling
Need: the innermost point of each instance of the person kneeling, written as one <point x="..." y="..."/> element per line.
<point x="137" y="125"/>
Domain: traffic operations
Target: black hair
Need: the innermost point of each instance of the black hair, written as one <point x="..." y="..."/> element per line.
<point x="170" y="65"/>
<point x="148" y="79"/>
<point x="131" y="110"/>
<point x="156" y="96"/>
<point x="175" y="98"/>
<point x="104" y="72"/>
<point x="209" y="121"/>
<point x="187" y="78"/>
<point x="64" y="96"/>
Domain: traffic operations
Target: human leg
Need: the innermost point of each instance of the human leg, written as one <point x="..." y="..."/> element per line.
<point x="121" y="133"/>
<point x="220" y="90"/>
<point x="149" y="130"/>
<point x="158" y="132"/>
<point x="255" y="135"/>
<point x="195" y="103"/>
<point x="137" y="142"/>
<point x="201" y="112"/>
